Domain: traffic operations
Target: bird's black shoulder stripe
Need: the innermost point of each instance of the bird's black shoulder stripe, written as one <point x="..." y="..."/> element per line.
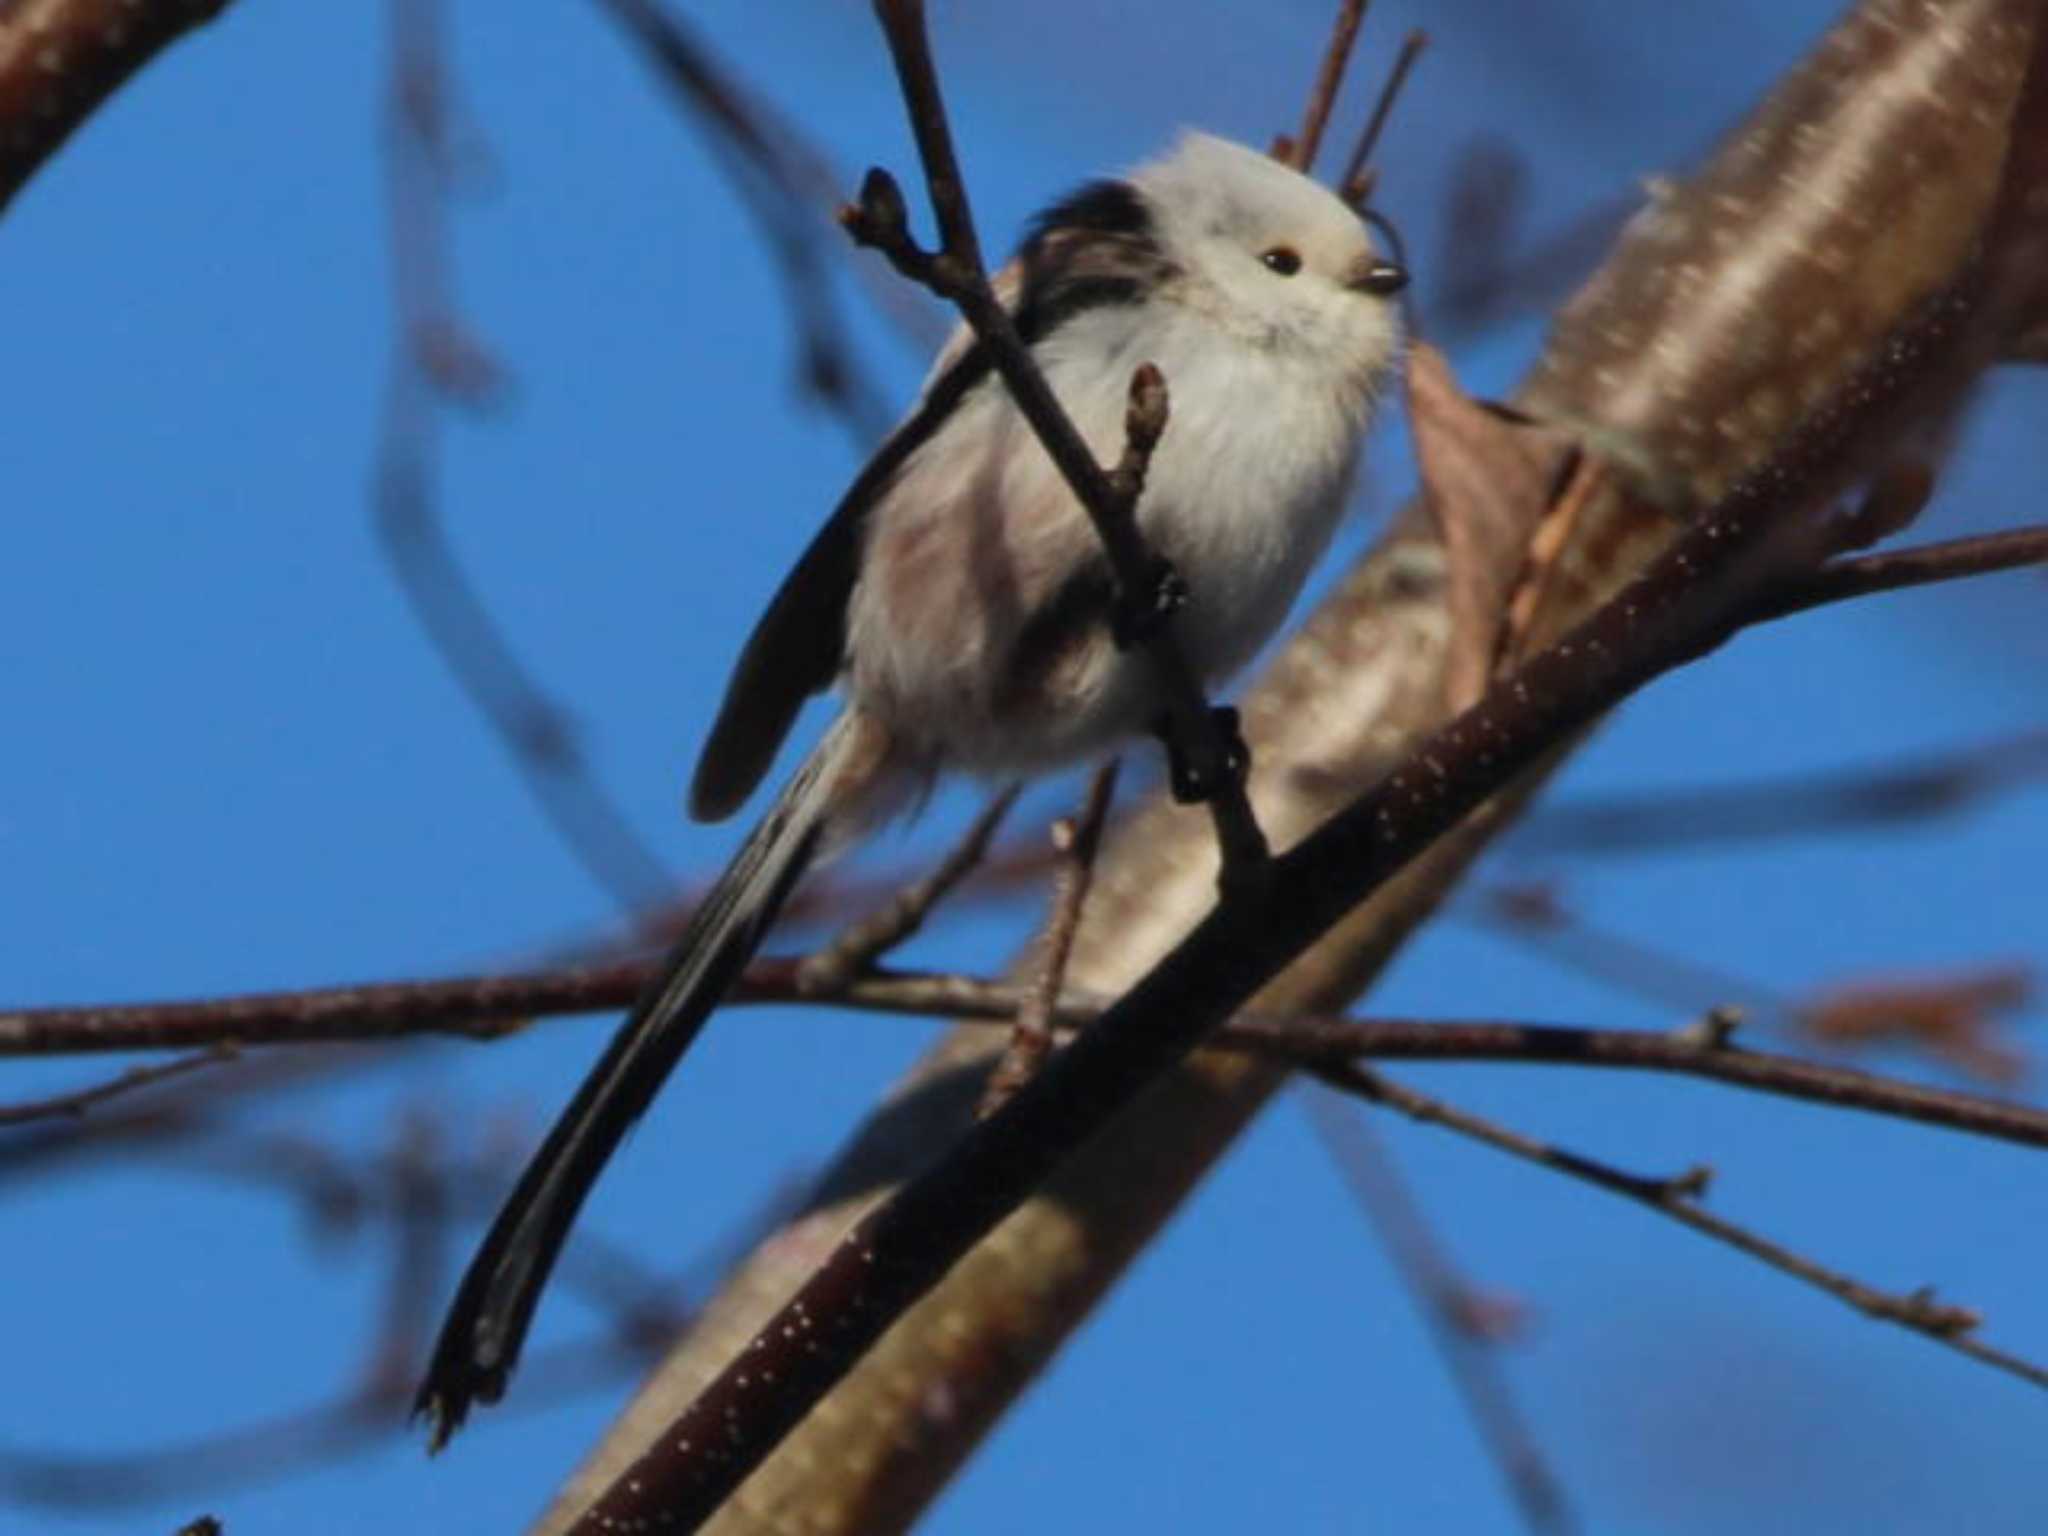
<point x="1096" y="247"/>
<point x="1106" y="207"/>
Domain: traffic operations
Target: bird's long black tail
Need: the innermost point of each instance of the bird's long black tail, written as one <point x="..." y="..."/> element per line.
<point x="487" y="1322"/>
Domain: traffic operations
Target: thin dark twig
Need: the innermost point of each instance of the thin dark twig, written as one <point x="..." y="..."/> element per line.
<point x="69" y="1106"/>
<point x="478" y="1007"/>
<point x="435" y="358"/>
<point x="1897" y="569"/>
<point x="1148" y="590"/>
<point x="1451" y="1308"/>
<point x="1300" y="151"/>
<point x="1355" y="185"/>
<point x="1677" y="1198"/>
<point x="866" y="940"/>
<point x="1076" y="840"/>
<point x="175" y="1114"/>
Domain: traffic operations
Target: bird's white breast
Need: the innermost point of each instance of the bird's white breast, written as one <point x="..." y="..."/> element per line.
<point x="979" y="532"/>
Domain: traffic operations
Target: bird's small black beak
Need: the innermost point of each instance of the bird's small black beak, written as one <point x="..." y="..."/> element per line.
<point x="1383" y="279"/>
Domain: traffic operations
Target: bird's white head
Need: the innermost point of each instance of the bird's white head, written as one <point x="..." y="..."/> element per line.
<point x="1271" y="256"/>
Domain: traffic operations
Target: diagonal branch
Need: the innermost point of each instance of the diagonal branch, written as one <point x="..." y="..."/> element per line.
<point x="1301" y="150"/>
<point x="80" y="1101"/>
<point x="1686" y="605"/>
<point x="1678" y="1198"/>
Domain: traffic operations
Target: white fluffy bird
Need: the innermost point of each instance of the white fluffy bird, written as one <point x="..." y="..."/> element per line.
<point x="961" y="598"/>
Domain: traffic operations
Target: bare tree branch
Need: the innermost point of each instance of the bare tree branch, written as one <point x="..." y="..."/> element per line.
<point x="479" y="1006"/>
<point x="1355" y="184"/>
<point x="71" y="1105"/>
<point x="1031" y="1031"/>
<point x="1301" y="150"/>
<point x="1678" y="1198"/>
<point x="1898" y="569"/>
<point x="866" y="940"/>
<point x="60" y="59"/>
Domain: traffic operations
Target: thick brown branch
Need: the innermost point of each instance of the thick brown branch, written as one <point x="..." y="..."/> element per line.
<point x="59" y="59"/>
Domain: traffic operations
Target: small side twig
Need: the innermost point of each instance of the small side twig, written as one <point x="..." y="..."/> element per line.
<point x="1355" y="186"/>
<point x="867" y="939"/>
<point x="1076" y="840"/>
<point x="1300" y="151"/>
<point x="67" y="1106"/>
<point x="1896" y="569"/>
<point x="1678" y="1199"/>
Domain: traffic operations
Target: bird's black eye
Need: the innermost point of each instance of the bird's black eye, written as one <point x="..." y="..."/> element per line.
<point x="1283" y="259"/>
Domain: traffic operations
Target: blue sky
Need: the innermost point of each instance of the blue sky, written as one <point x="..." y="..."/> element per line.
<point x="234" y="764"/>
